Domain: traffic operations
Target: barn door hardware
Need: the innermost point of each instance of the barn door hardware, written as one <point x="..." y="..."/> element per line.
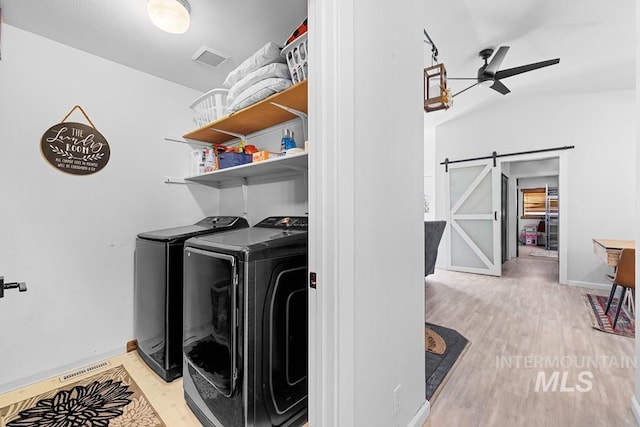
<point x="495" y="156"/>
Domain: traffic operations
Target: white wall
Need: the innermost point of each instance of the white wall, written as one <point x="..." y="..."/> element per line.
<point x="634" y="401"/>
<point x="285" y="194"/>
<point x="366" y="216"/>
<point x="71" y="238"/>
<point x="535" y="168"/>
<point x="429" y="169"/>
<point x="601" y="168"/>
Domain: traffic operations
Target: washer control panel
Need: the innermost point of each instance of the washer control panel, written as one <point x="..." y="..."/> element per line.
<point x="285" y="222"/>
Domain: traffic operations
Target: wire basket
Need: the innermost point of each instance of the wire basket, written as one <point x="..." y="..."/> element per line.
<point x="210" y="106"/>
<point x="296" y="54"/>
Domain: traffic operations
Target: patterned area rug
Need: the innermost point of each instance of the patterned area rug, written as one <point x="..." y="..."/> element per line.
<point x="434" y="343"/>
<point x="110" y="398"/>
<point x="626" y="323"/>
<point x="439" y="366"/>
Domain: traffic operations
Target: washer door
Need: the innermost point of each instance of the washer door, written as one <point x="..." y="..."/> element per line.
<point x="210" y="317"/>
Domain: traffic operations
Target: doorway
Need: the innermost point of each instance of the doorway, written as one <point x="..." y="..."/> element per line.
<point x="533" y="222"/>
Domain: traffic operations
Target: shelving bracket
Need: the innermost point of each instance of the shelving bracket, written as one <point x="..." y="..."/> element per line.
<point x="303" y="116"/>
<point x="173" y="180"/>
<point x="240" y="136"/>
<point x="187" y="141"/>
<point x="245" y="196"/>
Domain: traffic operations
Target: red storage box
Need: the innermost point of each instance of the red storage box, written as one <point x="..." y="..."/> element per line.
<point x="230" y="159"/>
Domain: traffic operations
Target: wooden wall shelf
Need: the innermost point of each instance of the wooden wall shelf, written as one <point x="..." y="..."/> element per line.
<point x="256" y="117"/>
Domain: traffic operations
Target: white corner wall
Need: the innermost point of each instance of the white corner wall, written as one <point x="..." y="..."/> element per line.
<point x="601" y="168"/>
<point x="71" y="238"/>
<point x="635" y="405"/>
<point x="366" y="218"/>
<point x="429" y="170"/>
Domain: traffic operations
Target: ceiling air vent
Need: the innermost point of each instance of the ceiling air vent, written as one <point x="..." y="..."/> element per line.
<point x="211" y="57"/>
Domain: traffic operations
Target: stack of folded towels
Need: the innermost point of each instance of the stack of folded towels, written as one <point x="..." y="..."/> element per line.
<point x="259" y="76"/>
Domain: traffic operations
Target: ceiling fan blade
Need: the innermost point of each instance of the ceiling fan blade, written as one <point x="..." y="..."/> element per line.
<point x="499" y="87"/>
<point x="496" y="61"/>
<point x="462" y="78"/>
<point x="464" y="90"/>
<point x="503" y="74"/>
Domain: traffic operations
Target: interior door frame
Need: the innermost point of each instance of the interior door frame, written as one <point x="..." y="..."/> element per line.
<point x="504" y="217"/>
<point x="564" y="194"/>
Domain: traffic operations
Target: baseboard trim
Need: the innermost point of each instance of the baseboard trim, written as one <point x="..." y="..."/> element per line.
<point x="55" y="372"/>
<point x="635" y="408"/>
<point x="590" y="285"/>
<point x="421" y="416"/>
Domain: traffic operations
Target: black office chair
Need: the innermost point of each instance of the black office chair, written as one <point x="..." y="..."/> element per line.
<point x="625" y="276"/>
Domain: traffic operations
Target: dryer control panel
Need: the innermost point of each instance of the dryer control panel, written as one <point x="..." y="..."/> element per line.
<point x="285" y="222"/>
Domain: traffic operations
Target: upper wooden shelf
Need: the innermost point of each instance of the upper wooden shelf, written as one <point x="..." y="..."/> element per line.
<point x="258" y="116"/>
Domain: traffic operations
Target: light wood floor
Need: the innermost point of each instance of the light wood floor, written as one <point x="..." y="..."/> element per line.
<point x="525" y="251"/>
<point x="526" y="313"/>
<point x="166" y="398"/>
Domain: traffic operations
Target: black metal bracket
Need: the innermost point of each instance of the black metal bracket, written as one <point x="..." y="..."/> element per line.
<point x="434" y="49"/>
<point x="446" y="165"/>
<point x="495" y="155"/>
<point x="21" y="286"/>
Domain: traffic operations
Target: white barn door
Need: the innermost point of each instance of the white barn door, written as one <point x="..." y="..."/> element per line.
<point x="473" y="207"/>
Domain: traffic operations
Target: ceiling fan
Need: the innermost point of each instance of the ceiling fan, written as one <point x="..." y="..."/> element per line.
<point x="489" y="74"/>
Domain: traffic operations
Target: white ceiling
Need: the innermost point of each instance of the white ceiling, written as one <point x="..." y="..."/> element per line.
<point x="119" y="30"/>
<point x="594" y="39"/>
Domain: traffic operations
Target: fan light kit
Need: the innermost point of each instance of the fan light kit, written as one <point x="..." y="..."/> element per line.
<point x="171" y="16"/>
<point x="489" y="75"/>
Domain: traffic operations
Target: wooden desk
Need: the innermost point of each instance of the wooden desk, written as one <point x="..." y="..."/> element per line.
<point x="609" y="250"/>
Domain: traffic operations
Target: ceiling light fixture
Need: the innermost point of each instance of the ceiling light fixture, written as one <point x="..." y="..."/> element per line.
<point x="436" y="94"/>
<point x="171" y="16"/>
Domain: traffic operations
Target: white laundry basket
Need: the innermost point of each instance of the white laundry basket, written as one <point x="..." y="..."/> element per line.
<point x="296" y="54"/>
<point x="210" y="106"/>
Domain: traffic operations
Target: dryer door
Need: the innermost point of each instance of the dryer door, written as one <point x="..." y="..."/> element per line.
<point x="209" y="336"/>
<point x="285" y="342"/>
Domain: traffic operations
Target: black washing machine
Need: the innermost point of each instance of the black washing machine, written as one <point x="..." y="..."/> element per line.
<point x="158" y="291"/>
<point x="245" y="325"/>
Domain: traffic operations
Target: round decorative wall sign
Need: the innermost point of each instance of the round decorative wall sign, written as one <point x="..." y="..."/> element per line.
<point x="75" y="148"/>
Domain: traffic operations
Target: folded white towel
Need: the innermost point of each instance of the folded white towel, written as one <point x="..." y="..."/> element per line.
<point x="258" y="92"/>
<point x="267" y="54"/>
